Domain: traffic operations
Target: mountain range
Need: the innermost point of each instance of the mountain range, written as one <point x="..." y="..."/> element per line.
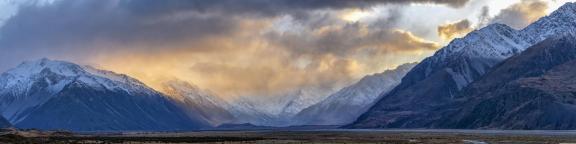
<point x="83" y="98"/>
<point x="428" y="93"/>
<point x="534" y="90"/>
<point x="49" y="94"/>
<point x="495" y="77"/>
<point x="315" y="106"/>
<point x="346" y="105"/>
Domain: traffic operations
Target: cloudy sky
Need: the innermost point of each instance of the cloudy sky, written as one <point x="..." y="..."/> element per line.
<point x="247" y="47"/>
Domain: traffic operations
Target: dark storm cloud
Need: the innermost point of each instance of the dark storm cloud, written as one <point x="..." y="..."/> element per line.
<point x="225" y="39"/>
<point x="264" y="7"/>
<point x="73" y="27"/>
<point x="81" y="20"/>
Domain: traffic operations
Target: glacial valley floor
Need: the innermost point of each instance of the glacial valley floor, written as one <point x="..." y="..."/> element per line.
<point x="302" y="136"/>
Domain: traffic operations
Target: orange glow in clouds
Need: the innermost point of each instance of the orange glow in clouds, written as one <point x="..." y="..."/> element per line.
<point x="245" y="63"/>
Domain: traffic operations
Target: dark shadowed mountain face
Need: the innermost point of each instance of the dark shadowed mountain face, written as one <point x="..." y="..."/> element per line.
<point x="534" y="90"/>
<point x="48" y="94"/>
<point x="4" y="123"/>
<point x="439" y="79"/>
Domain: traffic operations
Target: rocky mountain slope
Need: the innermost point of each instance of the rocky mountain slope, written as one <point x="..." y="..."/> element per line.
<point x="534" y="90"/>
<point x="48" y="94"/>
<point x="438" y="79"/>
<point x="4" y="123"/>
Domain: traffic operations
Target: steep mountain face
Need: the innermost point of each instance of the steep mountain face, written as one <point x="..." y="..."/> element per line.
<point x="47" y="94"/>
<point x="563" y="20"/>
<point x="347" y="104"/>
<point x="438" y="79"/>
<point x="534" y="90"/>
<point x="197" y="102"/>
<point x="4" y="123"/>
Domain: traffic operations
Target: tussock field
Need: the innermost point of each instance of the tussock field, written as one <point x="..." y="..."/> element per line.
<point x="311" y="136"/>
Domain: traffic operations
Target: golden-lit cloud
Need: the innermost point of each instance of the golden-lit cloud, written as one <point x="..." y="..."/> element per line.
<point x="232" y="52"/>
<point x="349" y="39"/>
<point x="522" y="14"/>
<point x="257" y="61"/>
<point x="452" y="30"/>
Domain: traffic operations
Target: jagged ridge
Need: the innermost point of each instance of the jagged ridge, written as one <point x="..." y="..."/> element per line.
<point x="438" y="79"/>
<point x="47" y="94"/>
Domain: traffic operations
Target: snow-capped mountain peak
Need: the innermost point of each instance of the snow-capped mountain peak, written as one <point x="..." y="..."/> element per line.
<point x="560" y="21"/>
<point x="51" y="94"/>
<point x="438" y="79"/>
<point x="66" y="72"/>
<point x="34" y="67"/>
<point x="497" y="40"/>
<point x="568" y="9"/>
<point x="34" y="82"/>
<point x="492" y="43"/>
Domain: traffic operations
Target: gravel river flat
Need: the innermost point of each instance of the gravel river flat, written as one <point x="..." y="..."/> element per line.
<point x="305" y="136"/>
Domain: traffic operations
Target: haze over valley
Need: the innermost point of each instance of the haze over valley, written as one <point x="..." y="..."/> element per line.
<point x="414" y="70"/>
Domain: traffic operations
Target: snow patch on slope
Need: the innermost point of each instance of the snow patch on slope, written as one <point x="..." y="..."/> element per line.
<point x="34" y="82"/>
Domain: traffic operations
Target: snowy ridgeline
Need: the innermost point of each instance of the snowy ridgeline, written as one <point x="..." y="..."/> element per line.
<point x="346" y="105"/>
<point x="47" y="94"/>
<point x="314" y="106"/>
<point x="439" y="79"/>
<point x="37" y="90"/>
